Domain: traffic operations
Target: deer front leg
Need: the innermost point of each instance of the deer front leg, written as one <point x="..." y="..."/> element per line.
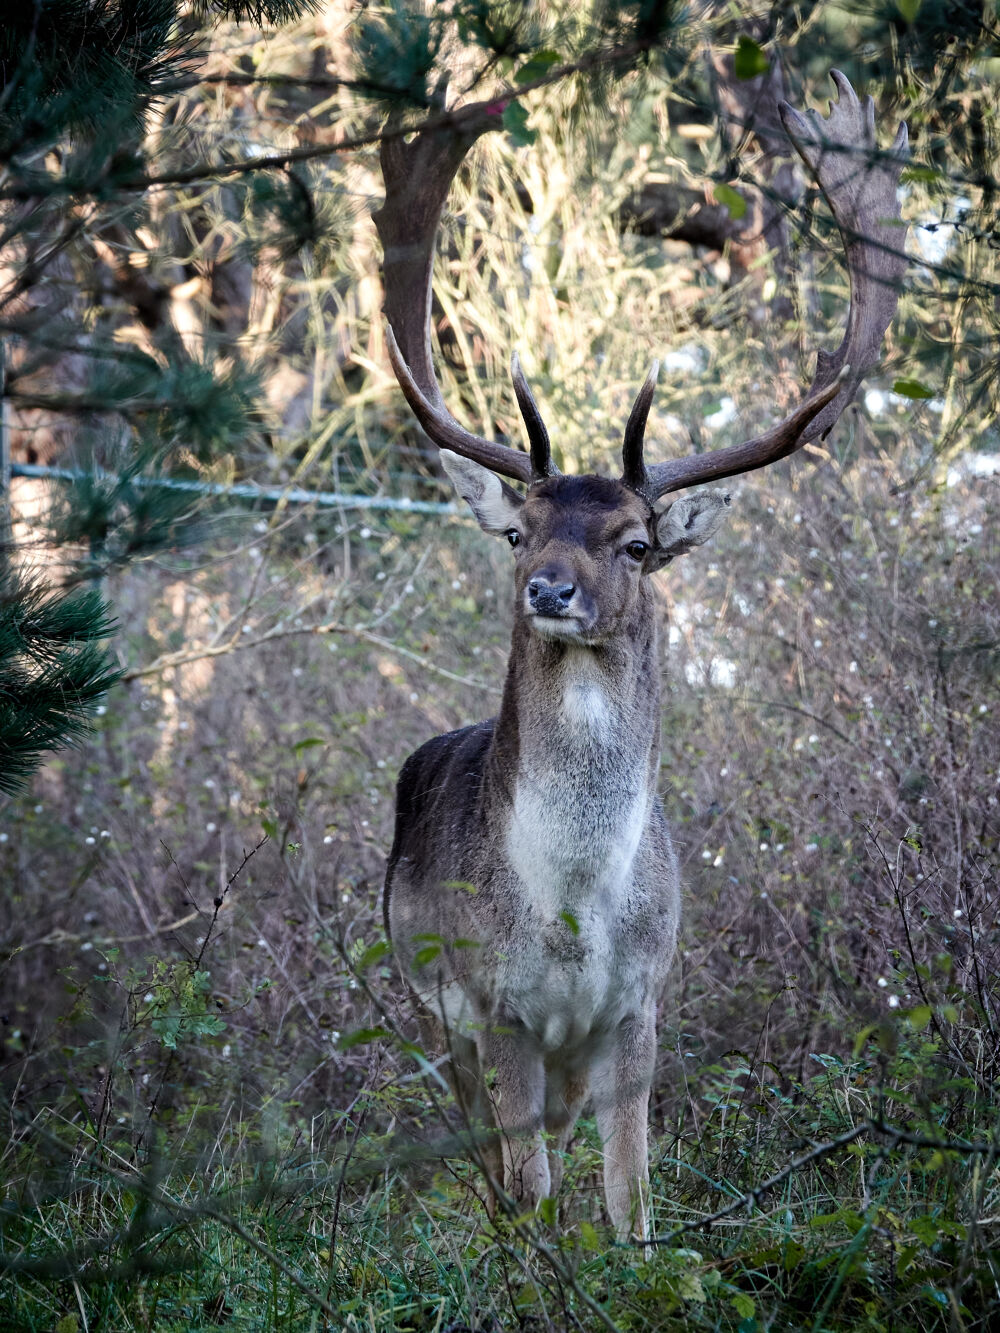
<point x="473" y="1100"/>
<point x="622" y="1079"/>
<point x="565" y="1094"/>
<point x="518" y="1098"/>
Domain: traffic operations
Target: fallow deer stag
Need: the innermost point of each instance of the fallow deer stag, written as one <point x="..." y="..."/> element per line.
<point x="533" y="846"/>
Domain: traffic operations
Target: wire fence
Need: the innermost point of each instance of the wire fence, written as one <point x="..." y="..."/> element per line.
<point x="246" y="491"/>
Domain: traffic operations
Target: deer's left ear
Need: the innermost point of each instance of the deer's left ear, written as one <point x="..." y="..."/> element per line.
<point x="495" y="504"/>
<point x="689" y="522"/>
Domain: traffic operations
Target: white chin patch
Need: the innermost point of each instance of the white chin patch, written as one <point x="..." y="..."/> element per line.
<point x="555" y="627"/>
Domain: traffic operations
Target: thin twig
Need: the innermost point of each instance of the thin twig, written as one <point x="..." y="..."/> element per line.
<point x="453" y="119"/>
<point x="240" y="644"/>
<point x="217" y="907"/>
<point x="894" y="1133"/>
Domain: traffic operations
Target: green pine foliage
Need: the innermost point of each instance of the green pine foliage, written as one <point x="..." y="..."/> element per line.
<point x="262" y="13"/>
<point x="117" y="513"/>
<point x="294" y="213"/>
<point x="54" y="670"/>
<point x="82" y="67"/>
<point x="79" y="77"/>
<point x="397" y="49"/>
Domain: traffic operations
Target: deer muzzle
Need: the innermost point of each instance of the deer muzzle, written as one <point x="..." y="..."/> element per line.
<point x="550" y="597"/>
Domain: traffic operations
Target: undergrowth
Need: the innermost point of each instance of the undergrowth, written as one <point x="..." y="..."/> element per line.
<point x="218" y="1115"/>
<point x="856" y="1198"/>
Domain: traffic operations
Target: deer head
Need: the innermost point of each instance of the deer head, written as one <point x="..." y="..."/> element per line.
<point x="859" y="183"/>
<point x="582" y="544"/>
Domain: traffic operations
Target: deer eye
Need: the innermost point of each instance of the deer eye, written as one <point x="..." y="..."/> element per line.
<point x="637" y="551"/>
<point x="513" y="536"/>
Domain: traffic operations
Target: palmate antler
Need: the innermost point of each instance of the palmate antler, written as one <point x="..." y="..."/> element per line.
<point x="859" y="184"/>
<point x="417" y="178"/>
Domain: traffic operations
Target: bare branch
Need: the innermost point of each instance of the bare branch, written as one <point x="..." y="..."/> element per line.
<point x="240" y="643"/>
<point x="894" y="1133"/>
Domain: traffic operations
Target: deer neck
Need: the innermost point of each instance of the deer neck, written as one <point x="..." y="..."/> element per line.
<point x="574" y="762"/>
<point x="565" y="696"/>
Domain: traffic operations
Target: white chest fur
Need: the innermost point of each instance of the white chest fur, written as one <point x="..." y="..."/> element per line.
<point x="571" y="846"/>
<point x="580" y="801"/>
<point x="580" y="805"/>
<point x="586" y="710"/>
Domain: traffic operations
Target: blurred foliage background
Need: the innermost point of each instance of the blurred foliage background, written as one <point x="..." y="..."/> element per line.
<point x="213" y="1113"/>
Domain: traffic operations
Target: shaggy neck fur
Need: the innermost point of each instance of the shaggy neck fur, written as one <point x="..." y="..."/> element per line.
<point x="574" y="759"/>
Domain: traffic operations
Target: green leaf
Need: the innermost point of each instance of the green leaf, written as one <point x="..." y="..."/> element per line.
<point x="920" y="173"/>
<point x="547" y="1210"/>
<point x="924" y="1228"/>
<point x="730" y="199"/>
<point x="537" y="67"/>
<point x="589" y="1237"/>
<point x="919" y="1017"/>
<point x="460" y="884"/>
<point x="515" y="122"/>
<point x="308" y="743"/>
<point x="688" y="1287"/>
<point x="426" y="955"/>
<point x="909" y="9"/>
<point x="360" y="1036"/>
<point x="792" y="1254"/>
<point x="686" y="1255"/>
<point x="743" y="1305"/>
<point x="912" y="389"/>
<point x="906" y="1256"/>
<point x="167" y="1029"/>
<point x="749" y="60"/>
<point x="372" y="954"/>
<point x="571" y="922"/>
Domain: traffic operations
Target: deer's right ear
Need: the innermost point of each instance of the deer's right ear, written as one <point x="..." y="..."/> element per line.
<point x="495" y="504"/>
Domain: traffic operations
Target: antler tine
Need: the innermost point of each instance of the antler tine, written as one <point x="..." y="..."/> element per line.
<point x="859" y="183"/>
<point x="633" y="468"/>
<point x="538" y="437"/>
<point x="418" y="175"/>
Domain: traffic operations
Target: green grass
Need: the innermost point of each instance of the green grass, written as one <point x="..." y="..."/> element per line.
<point x="372" y="1220"/>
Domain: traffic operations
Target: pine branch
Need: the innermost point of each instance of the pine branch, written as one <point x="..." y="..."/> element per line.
<point x="53" y="670"/>
<point x="454" y="119"/>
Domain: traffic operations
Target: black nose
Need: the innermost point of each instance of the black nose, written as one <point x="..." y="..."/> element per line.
<point x="550" y="599"/>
